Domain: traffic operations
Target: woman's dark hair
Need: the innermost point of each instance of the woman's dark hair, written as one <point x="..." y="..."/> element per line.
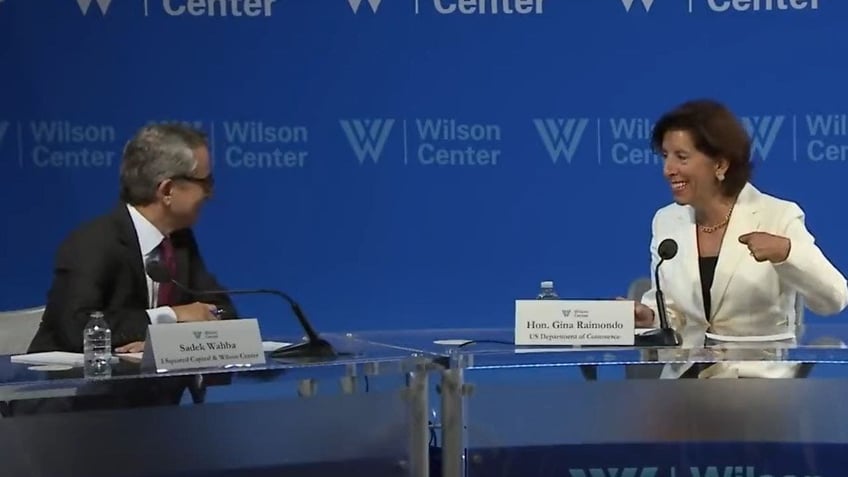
<point x="716" y="132"/>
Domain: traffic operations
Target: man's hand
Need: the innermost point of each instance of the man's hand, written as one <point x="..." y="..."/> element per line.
<point x="196" y="311"/>
<point x="134" y="347"/>
<point x="764" y="246"/>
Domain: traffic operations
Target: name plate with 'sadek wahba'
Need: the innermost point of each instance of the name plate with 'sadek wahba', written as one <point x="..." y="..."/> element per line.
<point x="204" y="344"/>
<point x="574" y="322"/>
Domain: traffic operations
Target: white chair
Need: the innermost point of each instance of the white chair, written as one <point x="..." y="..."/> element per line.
<point x="798" y="324"/>
<point x="638" y="288"/>
<point x="17" y="329"/>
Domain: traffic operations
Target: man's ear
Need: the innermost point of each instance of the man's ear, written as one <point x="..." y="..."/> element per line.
<point x="163" y="192"/>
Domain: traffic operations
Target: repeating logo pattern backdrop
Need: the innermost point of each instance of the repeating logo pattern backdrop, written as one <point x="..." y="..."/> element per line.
<point x="408" y="163"/>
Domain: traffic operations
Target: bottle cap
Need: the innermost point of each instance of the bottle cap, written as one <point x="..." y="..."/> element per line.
<point x="548" y="284"/>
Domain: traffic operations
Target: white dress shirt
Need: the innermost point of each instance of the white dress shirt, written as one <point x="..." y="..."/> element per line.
<point x="149" y="238"/>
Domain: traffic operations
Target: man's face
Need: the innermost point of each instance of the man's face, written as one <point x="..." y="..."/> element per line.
<point x="188" y="193"/>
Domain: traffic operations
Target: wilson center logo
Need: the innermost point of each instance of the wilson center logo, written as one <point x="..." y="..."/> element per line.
<point x="646" y="4"/>
<point x="355" y="4"/>
<point x="84" y="5"/>
<point x="763" y="131"/>
<point x="367" y="137"/>
<point x="561" y="136"/>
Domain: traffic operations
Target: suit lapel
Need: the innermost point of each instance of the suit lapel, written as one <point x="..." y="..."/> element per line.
<point x="129" y="239"/>
<point x="743" y="220"/>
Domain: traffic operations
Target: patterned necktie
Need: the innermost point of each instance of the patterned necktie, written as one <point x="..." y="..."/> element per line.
<point x="167" y="291"/>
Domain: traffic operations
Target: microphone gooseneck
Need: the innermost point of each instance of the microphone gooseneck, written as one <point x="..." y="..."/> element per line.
<point x="664" y="335"/>
<point x="314" y="346"/>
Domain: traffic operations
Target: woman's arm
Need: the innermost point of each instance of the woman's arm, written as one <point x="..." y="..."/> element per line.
<point x="806" y="269"/>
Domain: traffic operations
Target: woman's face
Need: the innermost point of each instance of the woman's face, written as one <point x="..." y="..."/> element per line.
<point x="692" y="174"/>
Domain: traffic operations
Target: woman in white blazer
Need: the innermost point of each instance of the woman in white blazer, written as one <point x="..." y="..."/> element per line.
<point x="743" y="256"/>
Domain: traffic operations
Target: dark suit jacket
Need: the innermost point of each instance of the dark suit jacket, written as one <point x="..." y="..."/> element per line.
<point x="99" y="267"/>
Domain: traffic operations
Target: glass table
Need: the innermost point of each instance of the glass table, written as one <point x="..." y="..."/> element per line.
<point x="496" y="409"/>
<point x="595" y="412"/>
<point x="363" y="413"/>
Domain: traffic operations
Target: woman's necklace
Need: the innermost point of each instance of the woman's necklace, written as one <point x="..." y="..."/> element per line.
<point x="712" y="228"/>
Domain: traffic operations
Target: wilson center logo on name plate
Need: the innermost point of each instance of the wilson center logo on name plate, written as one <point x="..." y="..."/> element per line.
<point x="574" y="322"/>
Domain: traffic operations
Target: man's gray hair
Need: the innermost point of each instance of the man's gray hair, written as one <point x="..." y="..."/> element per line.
<point x="157" y="152"/>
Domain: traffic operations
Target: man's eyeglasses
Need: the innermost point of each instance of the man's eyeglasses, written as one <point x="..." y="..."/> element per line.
<point x="207" y="182"/>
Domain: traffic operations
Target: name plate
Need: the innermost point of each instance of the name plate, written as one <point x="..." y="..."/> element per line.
<point x="574" y="322"/>
<point x="203" y="344"/>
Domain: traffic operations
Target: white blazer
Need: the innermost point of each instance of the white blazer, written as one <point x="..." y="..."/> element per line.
<point x="747" y="297"/>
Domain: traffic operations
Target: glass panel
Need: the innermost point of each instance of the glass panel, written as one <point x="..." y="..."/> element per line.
<point x="493" y="347"/>
<point x="579" y="412"/>
<point x="686" y="427"/>
<point x="357" y="358"/>
<point x="352" y="415"/>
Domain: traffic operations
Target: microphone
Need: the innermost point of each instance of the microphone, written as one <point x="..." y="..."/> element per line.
<point x="664" y="335"/>
<point x="666" y="250"/>
<point x="313" y="347"/>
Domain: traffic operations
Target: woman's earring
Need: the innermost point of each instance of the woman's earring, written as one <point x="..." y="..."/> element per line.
<point x="720" y="176"/>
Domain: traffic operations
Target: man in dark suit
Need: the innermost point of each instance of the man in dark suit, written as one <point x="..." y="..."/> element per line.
<point x="165" y="179"/>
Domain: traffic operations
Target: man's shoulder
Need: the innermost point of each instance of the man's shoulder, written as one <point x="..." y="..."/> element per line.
<point x="95" y="232"/>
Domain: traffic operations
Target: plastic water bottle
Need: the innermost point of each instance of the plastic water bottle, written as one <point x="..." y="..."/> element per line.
<point x="97" y="347"/>
<point x="547" y="291"/>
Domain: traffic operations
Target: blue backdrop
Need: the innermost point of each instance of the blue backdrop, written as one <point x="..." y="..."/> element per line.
<point x="410" y="163"/>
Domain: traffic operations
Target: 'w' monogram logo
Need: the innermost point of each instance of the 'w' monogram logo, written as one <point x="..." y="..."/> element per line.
<point x="354" y="5"/>
<point x="367" y="137"/>
<point x="103" y="4"/>
<point x="197" y="334"/>
<point x="645" y="3"/>
<point x="4" y="126"/>
<point x="561" y="136"/>
<point x="763" y="131"/>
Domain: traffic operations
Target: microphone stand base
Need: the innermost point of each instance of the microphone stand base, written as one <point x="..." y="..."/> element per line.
<point x="308" y="349"/>
<point x="664" y="337"/>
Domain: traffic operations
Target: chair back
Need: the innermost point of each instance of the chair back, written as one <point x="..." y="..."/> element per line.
<point x="800" y="306"/>
<point x="638" y="288"/>
<point x="17" y="328"/>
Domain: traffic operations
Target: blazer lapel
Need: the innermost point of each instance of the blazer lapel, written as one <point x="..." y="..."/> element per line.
<point x="743" y="220"/>
<point x="688" y="256"/>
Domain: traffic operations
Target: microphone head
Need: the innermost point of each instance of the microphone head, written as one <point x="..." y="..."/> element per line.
<point x="667" y="249"/>
<point x="157" y="272"/>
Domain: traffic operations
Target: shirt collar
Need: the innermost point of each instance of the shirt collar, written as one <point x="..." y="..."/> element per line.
<point x="149" y="237"/>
